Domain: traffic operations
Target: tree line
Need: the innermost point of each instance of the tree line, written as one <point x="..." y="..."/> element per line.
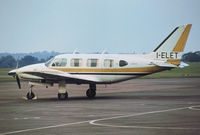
<point x="191" y="57"/>
<point x="10" y="62"/>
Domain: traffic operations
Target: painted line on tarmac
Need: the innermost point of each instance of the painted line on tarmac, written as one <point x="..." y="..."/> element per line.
<point x="40" y="128"/>
<point x="94" y="122"/>
<point x="196" y="108"/>
<point x="26" y="118"/>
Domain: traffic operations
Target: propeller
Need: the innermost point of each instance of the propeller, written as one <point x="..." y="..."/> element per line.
<point x="18" y="81"/>
<point x="17" y="77"/>
<point x="14" y="73"/>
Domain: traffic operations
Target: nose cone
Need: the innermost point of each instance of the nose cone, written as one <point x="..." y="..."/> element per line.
<point x="12" y="72"/>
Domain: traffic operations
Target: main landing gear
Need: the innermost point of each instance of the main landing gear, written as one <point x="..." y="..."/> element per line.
<point x="91" y="92"/>
<point x="62" y="91"/>
<point x="63" y="95"/>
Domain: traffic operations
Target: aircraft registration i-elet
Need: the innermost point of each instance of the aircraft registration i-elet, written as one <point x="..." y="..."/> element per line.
<point x="103" y="68"/>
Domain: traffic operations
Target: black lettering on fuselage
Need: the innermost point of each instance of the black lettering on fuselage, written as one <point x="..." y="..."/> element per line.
<point x="167" y="55"/>
<point x="162" y="54"/>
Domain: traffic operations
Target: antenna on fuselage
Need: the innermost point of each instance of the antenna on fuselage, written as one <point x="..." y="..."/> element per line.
<point x="75" y="51"/>
<point x="103" y="52"/>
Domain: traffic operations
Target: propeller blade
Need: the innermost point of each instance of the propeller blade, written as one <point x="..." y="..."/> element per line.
<point x="18" y="81"/>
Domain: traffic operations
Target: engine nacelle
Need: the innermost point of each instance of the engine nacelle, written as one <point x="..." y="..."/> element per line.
<point x="41" y="84"/>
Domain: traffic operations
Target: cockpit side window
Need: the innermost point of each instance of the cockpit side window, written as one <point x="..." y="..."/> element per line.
<point x="123" y="63"/>
<point x="63" y="62"/>
<point x="59" y="62"/>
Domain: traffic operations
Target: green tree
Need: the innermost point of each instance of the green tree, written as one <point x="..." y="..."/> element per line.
<point x="42" y="61"/>
<point x="28" y="60"/>
<point x="191" y="57"/>
<point x="7" y="62"/>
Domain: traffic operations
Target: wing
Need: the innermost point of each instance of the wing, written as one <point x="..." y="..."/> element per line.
<point x="56" y="76"/>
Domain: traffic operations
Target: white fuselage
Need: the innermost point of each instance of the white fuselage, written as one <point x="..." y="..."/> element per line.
<point x="100" y="68"/>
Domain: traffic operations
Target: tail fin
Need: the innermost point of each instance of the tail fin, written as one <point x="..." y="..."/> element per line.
<point x="170" y="50"/>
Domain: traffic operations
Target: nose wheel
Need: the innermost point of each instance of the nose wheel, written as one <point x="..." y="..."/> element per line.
<point x="91" y="92"/>
<point x="30" y="95"/>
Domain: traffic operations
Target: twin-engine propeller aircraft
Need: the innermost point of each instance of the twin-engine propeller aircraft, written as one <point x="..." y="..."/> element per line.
<point x="95" y="69"/>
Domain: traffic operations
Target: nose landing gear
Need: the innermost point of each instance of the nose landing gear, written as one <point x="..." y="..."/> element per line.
<point x="30" y="95"/>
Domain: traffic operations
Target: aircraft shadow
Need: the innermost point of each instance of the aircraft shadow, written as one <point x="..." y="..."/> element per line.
<point x="127" y="97"/>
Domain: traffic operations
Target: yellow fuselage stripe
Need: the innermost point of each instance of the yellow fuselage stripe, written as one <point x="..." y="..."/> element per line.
<point x="174" y="61"/>
<point x="120" y="70"/>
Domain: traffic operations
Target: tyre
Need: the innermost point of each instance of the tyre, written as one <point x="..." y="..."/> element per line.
<point x="62" y="96"/>
<point x="30" y="95"/>
<point x="91" y="93"/>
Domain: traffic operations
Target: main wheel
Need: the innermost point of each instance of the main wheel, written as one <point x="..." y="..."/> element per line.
<point x="30" y="95"/>
<point x="91" y="93"/>
<point x="62" y="96"/>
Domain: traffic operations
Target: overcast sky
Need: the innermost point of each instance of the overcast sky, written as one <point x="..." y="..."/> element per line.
<point x="118" y="26"/>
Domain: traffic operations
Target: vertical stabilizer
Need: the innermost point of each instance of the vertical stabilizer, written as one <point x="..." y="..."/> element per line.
<point x="170" y="50"/>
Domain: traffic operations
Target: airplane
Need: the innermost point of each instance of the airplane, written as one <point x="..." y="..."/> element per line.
<point x="93" y="69"/>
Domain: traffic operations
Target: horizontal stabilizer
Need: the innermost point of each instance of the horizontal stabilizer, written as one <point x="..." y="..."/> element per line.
<point x="164" y="64"/>
<point x="182" y="65"/>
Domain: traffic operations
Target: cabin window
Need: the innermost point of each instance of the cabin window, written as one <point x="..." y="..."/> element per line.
<point x="76" y="62"/>
<point x="123" y="63"/>
<point x="59" y="62"/>
<point x="108" y="63"/>
<point x="92" y="62"/>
